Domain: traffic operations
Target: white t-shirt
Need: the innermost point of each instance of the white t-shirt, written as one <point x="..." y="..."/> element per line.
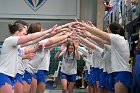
<point x="88" y="60"/>
<point x="32" y="65"/>
<point x="119" y="53"/>
<point x="107" y="58"/>
<point x="46" y="61"/>
<point x="9" y="58"/>
<point x="102" y="63"/>
<point x="69" y="64"/>
<point x="96" y="57"/>
<point x="21" y="65"/>
<point x="83" y="50"/>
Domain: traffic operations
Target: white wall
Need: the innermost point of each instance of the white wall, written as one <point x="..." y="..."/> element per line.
<point x="40" y="9"/>
<point x="88" y="9"/>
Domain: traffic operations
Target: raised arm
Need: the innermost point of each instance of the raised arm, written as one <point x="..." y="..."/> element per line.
<point x="86" y="42"/>
<point x="77" y="55"/>
<point x="98" y="40"/>
<point x="30" y="37"/>
<point x="33" y="41"/>
<point x="60" y="52"/>
<point x="54" y="39"/>
<point x="59" y="43"/>
<point x="92" y="29"/>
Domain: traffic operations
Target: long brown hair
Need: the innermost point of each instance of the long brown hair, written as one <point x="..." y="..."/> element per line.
<point x="70" y="43"/>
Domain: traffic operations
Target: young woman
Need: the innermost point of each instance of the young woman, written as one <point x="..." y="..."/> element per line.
<point x="26" y="53"/>
<point x="69" y="66"/>
<point x="87" y="57"/>
<point x="96" y="59"/>
<point x="9" y="51"/>
<point x="32" y="65"/>
<point x="106" y="64"/>
<point x="119" y="54"/>
<point x="18" y="84"/>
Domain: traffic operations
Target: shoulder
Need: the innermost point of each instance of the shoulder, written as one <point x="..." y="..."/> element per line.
<point x="116" y="37"/>
<point x="11" y="40"/>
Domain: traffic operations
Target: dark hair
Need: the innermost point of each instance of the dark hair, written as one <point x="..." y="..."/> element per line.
<point x="13" y="27"/>
<point x="69" y="43"/>
<point x="105" y="30"/>
<point x="116" y="28"/>
<point x="35" y="27"/>
<point x="21" y="22"/>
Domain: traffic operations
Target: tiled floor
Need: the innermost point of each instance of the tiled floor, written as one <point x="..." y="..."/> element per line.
<point x="60" y="91"/>
<point x="51" y="89"/>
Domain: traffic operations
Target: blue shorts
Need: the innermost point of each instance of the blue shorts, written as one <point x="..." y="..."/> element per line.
<point x="87" y="76"/>
<point x="19" y="78"/>
<point x="27" y="77"/>
<point x="124" y="77"/>
<point x="110" y="82"/>
<point x="34" y="76"/>
<point x="69" y="78"/>
<point x="6" y="79"/>
<point x="92" y="79"/>
<point x="102" y="80"/>
<point x="41" y="76"/>
<point x="97" y="73"/>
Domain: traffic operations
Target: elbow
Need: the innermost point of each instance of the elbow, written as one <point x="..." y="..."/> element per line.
<point x="55" y="57"/>
<point x="78" y="58"/>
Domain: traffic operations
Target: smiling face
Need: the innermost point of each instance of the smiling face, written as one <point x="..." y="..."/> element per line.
<point x="89" y="51"/>
<point x="71" y="49"/>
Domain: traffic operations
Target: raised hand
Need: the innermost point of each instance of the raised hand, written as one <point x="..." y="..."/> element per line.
<point x="69" y="33"/>
<point x="54" y="29"/>
<point x="73" y="36"/>
<point x="61" y="33"/>
<point x="62" y="47"/>
<point x="66" y="29"/>
<point x="86" y="33"/>
<point x="76" y="42"/>
<point x="90" y="23"/>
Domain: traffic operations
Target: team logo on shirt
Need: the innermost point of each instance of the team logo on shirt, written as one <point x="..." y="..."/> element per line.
<point x="35" y="4"/>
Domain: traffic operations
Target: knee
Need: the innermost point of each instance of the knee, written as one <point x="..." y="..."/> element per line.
<point x="64" y="89"/>
<point x="41" y="88"/>
<point x="25" y="91"/>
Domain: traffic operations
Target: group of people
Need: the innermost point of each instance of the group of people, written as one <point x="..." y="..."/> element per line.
<point x="25" y="57"/>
